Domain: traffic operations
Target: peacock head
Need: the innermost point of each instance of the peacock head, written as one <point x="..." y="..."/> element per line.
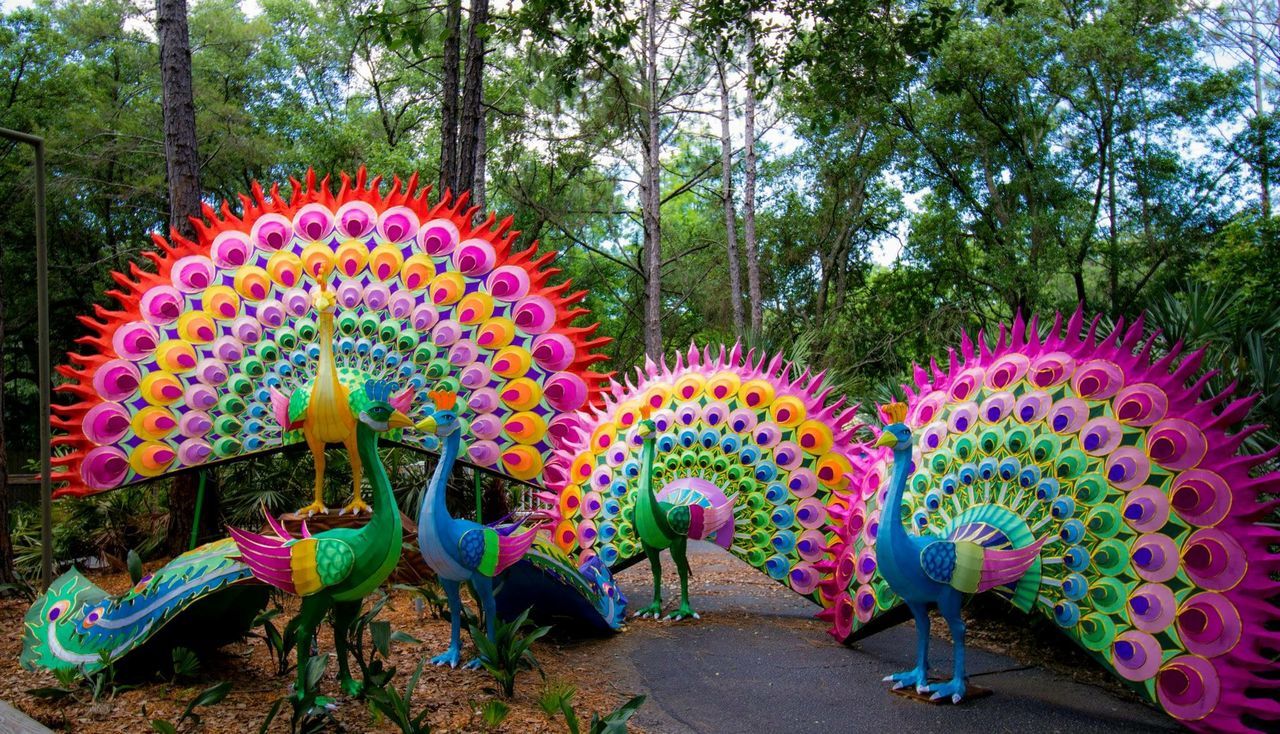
<point x="896" y="434"/>
<point x="444" y="420"/>
<point x="379" y="414"/>
<point x="324" y="300"/>
<point x="646" y="426"/>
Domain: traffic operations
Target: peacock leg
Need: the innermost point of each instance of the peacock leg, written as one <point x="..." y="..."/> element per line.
<point x="344" y="613"/>
<point x="357" y="504"/>
<point x="483" y="586"/>
<point x="317" y="452"/>
<point x="655" y="609"/>
<point x="453" y="590"/>
<point x="679" y="550"/>
<point x="919" y="675"/>
<point x="309" y="618"/>
<point x="949" y="607"/>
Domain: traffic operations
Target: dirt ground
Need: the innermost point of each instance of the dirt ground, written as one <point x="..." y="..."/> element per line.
<point x="454" y="697"/>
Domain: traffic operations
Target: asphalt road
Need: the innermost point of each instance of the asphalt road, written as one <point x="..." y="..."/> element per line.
<point x="759" y="662"/>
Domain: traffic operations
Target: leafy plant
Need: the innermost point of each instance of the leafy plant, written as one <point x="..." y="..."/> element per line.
<point x="397" y="707"/>
<point x="493" y="712"/>
<point x="185" y="664"/>
<point x="370" y="660"/>
<point x="430" y="595"/>
<point x="190" y="720"/>
<point x="134" y="563"/>
<point x="508" y="652"/>
<point x="279" y="643"/>
<point x="311" y="713"/>
<point x="68" y="686"/>
<point x="555" y="695"/>
<point x="614" y="722"/>
<point x="74" y="683"/>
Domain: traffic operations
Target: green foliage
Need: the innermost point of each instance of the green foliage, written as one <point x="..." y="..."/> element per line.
<point x="492" y="712"/>
<point x="397" y="707"/>
<point x="555" y="695"/>
<point x="309" y="714"/>
<point x="371" y="659"/>
<point x="186" y="665"/>
<point x="279" y="643"/>
<point x="190" y="719"/>
<point x="80" y="683"/>
<point x="134" y="563"/>
<point x="614" y="722"/>
<point x="509" y="652"/>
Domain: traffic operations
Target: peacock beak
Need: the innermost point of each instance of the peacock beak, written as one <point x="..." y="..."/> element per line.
<point x="887" y="439"/>
<point x="399" y="420"/>
<point x="427" y="424"/>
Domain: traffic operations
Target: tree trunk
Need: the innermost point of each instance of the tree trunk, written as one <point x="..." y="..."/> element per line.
<point x="472" y="98"/>
<point x="182" y="163"/>
<point x="1261" y="123"/>
<point x="482" y="157"/>
<point x="449" y="98"/>
<point x="726" y="195"/>
<point x="183" y="172"/>
<point x="651" y="199"/>
<point x="749" y="194"/>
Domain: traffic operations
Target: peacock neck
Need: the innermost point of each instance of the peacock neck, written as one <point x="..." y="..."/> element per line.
<point x="386" y="515"/>
<point x="651" y="522"/>
<point x="891" y="527"/>
<point x="434" y="510"/>
<point x="327" y="368"/>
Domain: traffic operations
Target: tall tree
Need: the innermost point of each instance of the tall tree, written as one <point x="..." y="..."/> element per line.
<point x="1248" y="32"/>
<point x="726" y="194"/>
<point x="183" y="174"/>
<point x="651" y="188"/>
<point x="749" y="183"/>
<point x="449" y="97"/>
<point x="470" y="148"/>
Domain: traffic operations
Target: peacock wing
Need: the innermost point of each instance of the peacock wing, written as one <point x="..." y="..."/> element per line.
<point x="319" y="563"/>
<point x="478" y="550"/>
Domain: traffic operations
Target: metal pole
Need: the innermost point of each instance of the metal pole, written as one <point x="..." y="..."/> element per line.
<point x="479" y="495"/>
<point x="42" y="317"/>
<point x="195" y="521"/>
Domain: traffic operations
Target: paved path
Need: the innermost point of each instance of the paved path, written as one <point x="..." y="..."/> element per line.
<point x="13" y="721"/>
<point x="758" y="662"/>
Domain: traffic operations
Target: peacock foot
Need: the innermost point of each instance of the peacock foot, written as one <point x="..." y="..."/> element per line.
<point x="356" y="506"/>
<point x="474" y="664"/>
<point x="917" y="677"/>
<point x="653" y="610"/>
<point x="953" y="689"/>
<point x="351" y="686"/>
<point x="684" y="612"/>
<point x="448" y="657"/>
<point x="315" y="508"/>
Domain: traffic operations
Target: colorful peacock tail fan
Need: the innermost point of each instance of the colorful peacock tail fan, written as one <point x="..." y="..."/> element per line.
<point x="1156" y="554"/>
<point x="729" y="427"/>
<point x="73" y="623"/>
<point x="181" y="373"/>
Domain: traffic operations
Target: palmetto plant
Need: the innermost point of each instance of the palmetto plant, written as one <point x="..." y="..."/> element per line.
<point x="509" y="652"/>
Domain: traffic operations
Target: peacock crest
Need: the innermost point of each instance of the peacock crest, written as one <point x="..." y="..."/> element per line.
<point x="180" y="374"/>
